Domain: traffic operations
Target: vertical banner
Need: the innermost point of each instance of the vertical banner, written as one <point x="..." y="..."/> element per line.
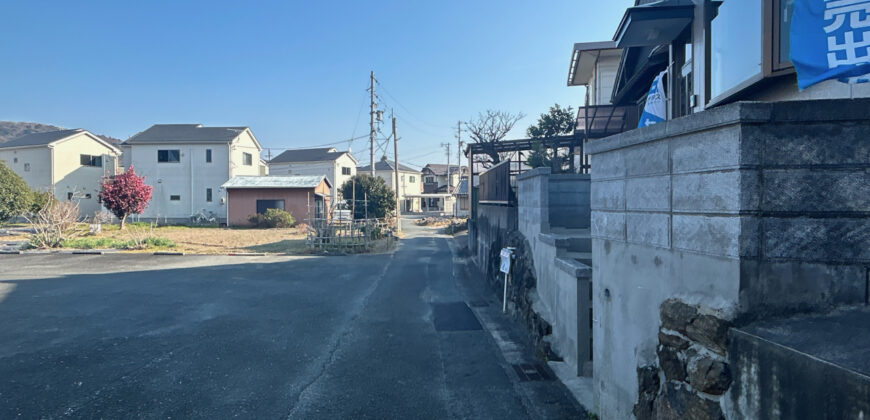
<point x="655" y="109"/>
<point x="830" y="39"/>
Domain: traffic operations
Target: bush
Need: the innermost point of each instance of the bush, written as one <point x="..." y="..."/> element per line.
<point x="374" y="199"/>
<point x="39" y="200"/>
<point x="273" y="218"/>
<point x="15" y="195"/>
<point x="55" y="224"/>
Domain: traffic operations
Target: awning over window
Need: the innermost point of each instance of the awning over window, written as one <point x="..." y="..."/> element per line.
<point x="654" y="23"/>
<point x="583" y="60"/>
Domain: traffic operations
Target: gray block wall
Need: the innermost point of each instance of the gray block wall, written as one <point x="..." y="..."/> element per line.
<point x="552" y="201"/>
<point x="753" y="209"/>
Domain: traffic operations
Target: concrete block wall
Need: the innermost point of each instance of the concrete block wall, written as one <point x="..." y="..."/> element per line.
<point x="547" y="201"/>
<point x="568" y="200"/>
<point x="751" y="209"/>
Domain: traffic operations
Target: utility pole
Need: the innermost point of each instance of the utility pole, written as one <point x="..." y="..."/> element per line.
<point x="447" y="146"/>
<point x="459" y="144"/>
<point x="396" y="170"/>
<point x="372" y="112"/>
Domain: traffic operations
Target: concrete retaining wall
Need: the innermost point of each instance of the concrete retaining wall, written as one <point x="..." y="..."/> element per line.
<point x="751" y="209"/>
<point x="547" y="201"/>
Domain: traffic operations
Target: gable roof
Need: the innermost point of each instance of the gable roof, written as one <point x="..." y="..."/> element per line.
<point x="49" y="138"/>
<point x="269" y="181"/>
<point x="384" y="165"/>
<point x="186" y="133"/>
<point x="323" y="154"/>
<point x="441" y="169"/>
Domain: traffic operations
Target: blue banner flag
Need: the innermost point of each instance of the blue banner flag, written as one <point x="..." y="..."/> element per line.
<point x="830" y="39"/>
<point x="655" y="108"/>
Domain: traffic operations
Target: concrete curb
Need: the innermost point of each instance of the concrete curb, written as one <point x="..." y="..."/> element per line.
<point x="88" y="252"/>
<point x="168" y="253"/>
<point x="247" y="254"/>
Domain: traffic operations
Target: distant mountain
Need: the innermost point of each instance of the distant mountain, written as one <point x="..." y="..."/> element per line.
<point x="10" y="130"/>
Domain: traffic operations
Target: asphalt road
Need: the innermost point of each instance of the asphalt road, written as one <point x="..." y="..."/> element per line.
<point x="369" y="336"/>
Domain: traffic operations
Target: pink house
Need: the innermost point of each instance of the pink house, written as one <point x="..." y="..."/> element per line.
<point x="302" y="196"/>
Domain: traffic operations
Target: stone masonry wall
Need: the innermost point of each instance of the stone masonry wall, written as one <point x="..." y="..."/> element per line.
<point x="751" y="209"/>
<point x="692" y="373"/>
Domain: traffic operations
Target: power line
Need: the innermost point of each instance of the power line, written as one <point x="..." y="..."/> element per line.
<point x="387" y="91"/>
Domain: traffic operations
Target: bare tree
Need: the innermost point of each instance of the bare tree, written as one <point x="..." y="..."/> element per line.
<point x="491" y="127"/>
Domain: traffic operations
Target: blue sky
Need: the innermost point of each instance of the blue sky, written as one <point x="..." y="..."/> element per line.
<point x="295" y="72"/>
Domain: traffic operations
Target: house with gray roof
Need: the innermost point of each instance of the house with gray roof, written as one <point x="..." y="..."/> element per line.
<point x="68" y="163"/>
<point x="337" y="166"/>
<point x="407" y="186"/>
<point x="187" y="164"/>
<point x="305" y="197"/>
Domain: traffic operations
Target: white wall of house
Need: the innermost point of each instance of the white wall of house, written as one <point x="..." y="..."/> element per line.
<point x="32" y="164"/>
<point x="180" y="188"/>
<point x="241" y="145"/>
<point x="333" y="170"/>
<point x="57" y="168"/>
<point x="603" y="78"/>
<point x="70" y="176"/>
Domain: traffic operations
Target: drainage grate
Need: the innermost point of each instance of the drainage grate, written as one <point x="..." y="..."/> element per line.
<point x="478" y="304"/>
<point x="454" y="316"/>
<point x="528" y="372"/>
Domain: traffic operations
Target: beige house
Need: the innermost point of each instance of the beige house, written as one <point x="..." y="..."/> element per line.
<point x="408" y="186"/>
<point x="68" y="163"/>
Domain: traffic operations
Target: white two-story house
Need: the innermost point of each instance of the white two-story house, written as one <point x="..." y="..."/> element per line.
<point x="187" y="164"/>
<point x="408" y="186"/>
<point x="338" y="167"/>
<point x="68" y="163"/>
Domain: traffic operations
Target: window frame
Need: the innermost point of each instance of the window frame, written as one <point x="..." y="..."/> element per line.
<point x="175" y="197"/>
<point x="27" y="167"/>
<point x="168" y="153"/>
<point x="208" y="156"/>
<point x="209" y="195"/>
<point x="247" y="159"/>
<point x="92" y="160"/>
<point x="345" y="170"/>
<point x="273" y="200"/>
<point x="770" y="65"/>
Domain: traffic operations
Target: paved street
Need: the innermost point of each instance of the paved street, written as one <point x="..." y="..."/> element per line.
<point x="401" y="335"/>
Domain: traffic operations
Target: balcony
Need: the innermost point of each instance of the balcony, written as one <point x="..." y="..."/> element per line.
<point x="599" y="121"/>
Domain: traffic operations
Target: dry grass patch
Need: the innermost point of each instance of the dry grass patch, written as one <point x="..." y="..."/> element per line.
<point x="204" y="240"/>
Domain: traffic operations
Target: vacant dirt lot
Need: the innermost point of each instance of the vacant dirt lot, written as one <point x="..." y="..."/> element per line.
<point x="222" y="241"/>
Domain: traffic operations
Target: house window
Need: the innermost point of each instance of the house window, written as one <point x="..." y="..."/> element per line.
<point x="263" y="205"/>
<point x="345" y="170"/>
<point x="735" y="42"/>
<point x="89" y="160"/>
<point x="174" y="198"/>
<point x="26" y="167"/>
<point x="781" y="39"/>
<point x="14" y="160"/>
<point x="169" y="156"/>
<point x="69" y="196"/>
<point x="208" y="195"/>
<point x="247" y="159"/>
<point x="412" y="179"/>
<point x="430" y="179"/>
<point x="207" y="155"/>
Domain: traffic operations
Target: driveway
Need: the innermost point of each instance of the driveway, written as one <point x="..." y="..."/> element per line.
<point x="366" y="336"/>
